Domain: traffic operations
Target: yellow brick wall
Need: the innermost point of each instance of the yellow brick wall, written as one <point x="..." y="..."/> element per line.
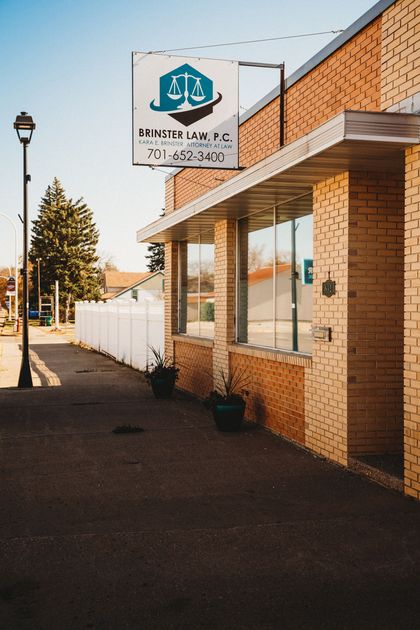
<point x="348" y="79"/>
<point x="353" y="391"/>
<point x="196" y="368"/>
<point x="400" y="52"/>
<point x="412" y="324"/>
<point x="375" y="313"/>
<point x="275" y="394"/>
<point x="326" y="380"/>
<point x="169" y="195"/>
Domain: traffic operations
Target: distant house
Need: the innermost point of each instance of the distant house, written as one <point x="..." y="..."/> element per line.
<point x="115" y="281"/>
<point x="120" y="285"/>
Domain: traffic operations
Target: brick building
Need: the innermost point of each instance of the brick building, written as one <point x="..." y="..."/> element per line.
<point x="344" y="194"/>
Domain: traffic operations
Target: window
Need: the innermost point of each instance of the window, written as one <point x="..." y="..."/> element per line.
<point x="275" y="279"/>
<point x="256" y="279"/>
<point x="196" y="287"/>
<point x="304" y="268"/>
<point x="283" y="285"/>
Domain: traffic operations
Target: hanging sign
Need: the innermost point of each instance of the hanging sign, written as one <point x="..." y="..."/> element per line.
<point x="308" y="271"/>
<point x="11" y="286"/>
<point x="185" y="111"/>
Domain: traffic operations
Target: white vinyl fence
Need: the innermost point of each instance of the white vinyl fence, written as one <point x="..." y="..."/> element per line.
<point x="123" y="329"/>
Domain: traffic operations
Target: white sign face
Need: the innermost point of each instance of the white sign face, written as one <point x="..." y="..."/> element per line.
<point x="11" y="286"/>
<point x="185" y="111"/>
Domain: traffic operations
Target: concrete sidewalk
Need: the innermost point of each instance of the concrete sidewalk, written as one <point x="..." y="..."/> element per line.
<point x="11" y="355"/>
<point x="182" y="527"/>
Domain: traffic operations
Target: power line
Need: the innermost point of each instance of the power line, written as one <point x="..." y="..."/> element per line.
<point x="249" y="41"/>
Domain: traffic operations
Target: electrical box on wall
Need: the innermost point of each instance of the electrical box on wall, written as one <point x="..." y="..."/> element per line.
<point x="321" y="333"/>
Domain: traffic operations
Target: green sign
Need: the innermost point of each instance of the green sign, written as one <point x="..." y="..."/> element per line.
<point x="307" y="271"/>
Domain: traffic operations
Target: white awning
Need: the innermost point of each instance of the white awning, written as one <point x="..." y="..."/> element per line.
<point x="352" y="140"/>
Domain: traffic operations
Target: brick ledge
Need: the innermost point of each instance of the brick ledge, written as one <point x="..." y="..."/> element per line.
<point x="196" y="341"/>
<point x="281" y="356"/>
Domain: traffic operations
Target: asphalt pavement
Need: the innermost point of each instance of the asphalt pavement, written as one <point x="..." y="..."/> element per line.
<point x="180" y="526"/>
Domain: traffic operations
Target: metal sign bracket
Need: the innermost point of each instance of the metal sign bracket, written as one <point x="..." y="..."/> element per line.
<point x="274" y="66"/>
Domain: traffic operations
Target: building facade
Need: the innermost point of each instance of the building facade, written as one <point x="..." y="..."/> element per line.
<point x="333" y="361"/>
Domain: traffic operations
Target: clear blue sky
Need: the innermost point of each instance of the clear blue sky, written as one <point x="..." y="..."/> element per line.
<point x="68" y="63"/>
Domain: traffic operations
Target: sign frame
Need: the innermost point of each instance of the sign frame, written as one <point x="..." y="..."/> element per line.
<point x="208" y="164"/>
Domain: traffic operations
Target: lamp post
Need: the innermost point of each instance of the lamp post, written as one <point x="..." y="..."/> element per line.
<point x="25" y="126"/>
<point x="16" y="267"/>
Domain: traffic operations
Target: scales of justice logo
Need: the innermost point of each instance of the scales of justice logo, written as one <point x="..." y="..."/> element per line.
<point x="186" y="95"/>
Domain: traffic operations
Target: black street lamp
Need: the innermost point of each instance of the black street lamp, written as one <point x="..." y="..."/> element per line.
<point x="25" y="126"/>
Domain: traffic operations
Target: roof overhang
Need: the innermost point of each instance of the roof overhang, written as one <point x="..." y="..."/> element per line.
<point x="352" y="140"/>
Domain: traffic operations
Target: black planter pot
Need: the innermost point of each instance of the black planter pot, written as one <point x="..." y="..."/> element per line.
<point x="163" y="387"/>
<point x="227" y="415"/>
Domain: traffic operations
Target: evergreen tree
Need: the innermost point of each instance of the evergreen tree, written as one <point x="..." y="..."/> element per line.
<point x="156" y="254"/>
<point x="156" y="257"/>
<point x="64" y="237"/>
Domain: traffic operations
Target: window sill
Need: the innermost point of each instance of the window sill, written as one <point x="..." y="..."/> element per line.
<point x="197" y="341"/>
<point x="281" y="356"/>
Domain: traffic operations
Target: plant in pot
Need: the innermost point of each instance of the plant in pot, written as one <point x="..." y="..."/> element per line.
<point x="227" y="401"/>
<point x="161" y="374"/>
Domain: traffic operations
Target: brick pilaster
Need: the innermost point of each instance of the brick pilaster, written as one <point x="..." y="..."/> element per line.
<point x="171" y="295"/>
<point x="326" y="380"/>
<point x="400" y="69"/>
<point x="224" y="291"/>
<point x="412" y="324"/>
<point x="353" y="390"/>
<point x="375" y="313"/>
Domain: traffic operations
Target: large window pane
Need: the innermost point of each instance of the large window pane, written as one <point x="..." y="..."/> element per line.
<point x="242" y="304"/>
<point x="275" y="278"/>
<point x="193" y="268"/>
<point x="196" y="287"/>
<point x="206" y="290"/>
<point x="256" y="304"/>
<point x="304" y="263"/>
<point x="284" y="324"/>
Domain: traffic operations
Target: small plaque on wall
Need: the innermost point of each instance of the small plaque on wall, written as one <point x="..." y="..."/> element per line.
<point x="328" y="287"/>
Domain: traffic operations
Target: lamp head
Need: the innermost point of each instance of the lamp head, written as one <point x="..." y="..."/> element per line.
<point x="24" y="126"/>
